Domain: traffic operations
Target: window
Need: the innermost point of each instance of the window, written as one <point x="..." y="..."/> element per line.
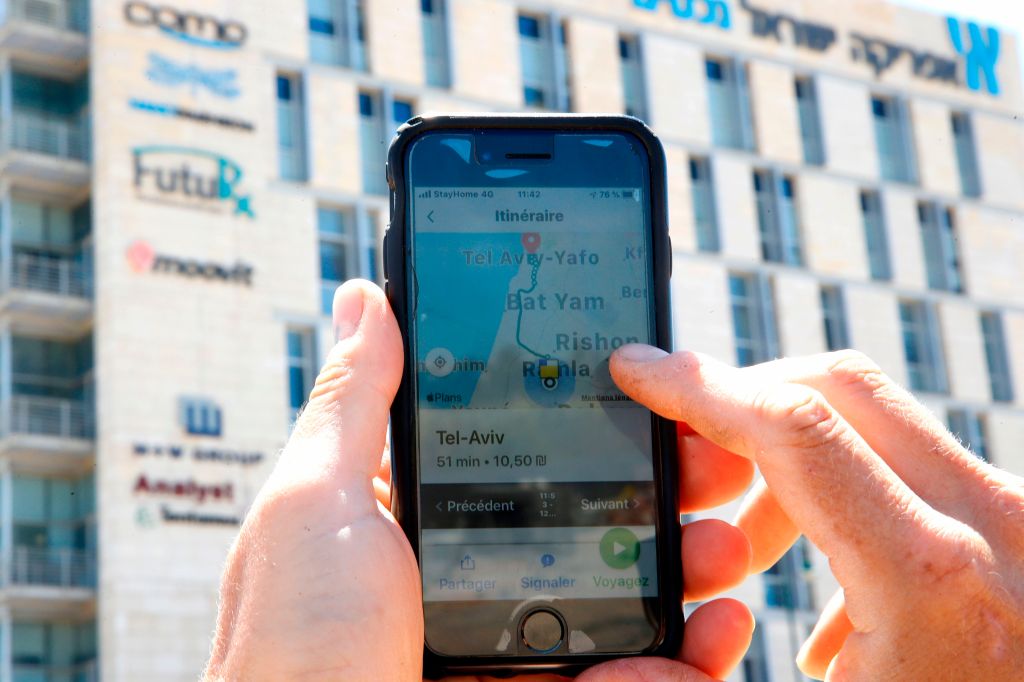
<point x="969" y="428"/>
<point x="787" y="584"/>
<point x="544" y="63"/>
<point x="921" y="347"/>
<point x="348" y="248"/>
<point x="729" y="102"/>
<point x="966" y="154"/>
<point x="380" y="114"/>
<point x="892" y="138"/>
<point x="755" y="661"/>
<point x="633" y="91"/>
<point x="59" y="646"/>
<point x="704" y="214"/>
<point x="753" y="318"/>
<point x="996" y="357"/>
<point x="291" y="128"/>
<point x="938" y="236"/>
<point x="833" y="313"/>
<point x="53" y="513"/>
<point x="435" y="42"/>
<point x="777" y="218"/>
<point x="301" y="367"/>
<point x="875" y="236"/>
<point x="810" y="121"/>
<point x="337" y="33"/>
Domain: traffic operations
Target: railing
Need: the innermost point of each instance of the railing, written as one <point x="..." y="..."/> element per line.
<point x="53" y="566"/>
<point x="57" y="136"/>
<point x="69" y="15"/>
<point x="82" y="672"/>
<point x="63" y="276"/>
<point x="37" y="415"/>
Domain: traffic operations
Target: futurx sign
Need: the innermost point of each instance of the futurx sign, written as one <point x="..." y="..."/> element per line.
<point x="187" y="26"/>
<point x="189" y="177"/>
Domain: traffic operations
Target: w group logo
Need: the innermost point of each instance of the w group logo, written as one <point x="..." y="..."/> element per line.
<point x="981" y="51"/>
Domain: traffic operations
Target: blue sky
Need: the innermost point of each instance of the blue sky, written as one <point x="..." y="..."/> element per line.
<point x="1006" y="14"/>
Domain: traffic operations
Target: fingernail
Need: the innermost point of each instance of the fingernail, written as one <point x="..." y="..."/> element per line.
<point x="348" y="310"/>
<point x="637" y="352"/>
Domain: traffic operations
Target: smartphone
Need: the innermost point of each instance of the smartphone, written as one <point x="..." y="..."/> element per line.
<point x="539" y="499"/>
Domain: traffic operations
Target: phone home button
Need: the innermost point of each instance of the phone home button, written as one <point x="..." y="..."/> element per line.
<point x="542" y="631"/>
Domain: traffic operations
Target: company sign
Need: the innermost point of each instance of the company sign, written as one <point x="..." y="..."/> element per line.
<point x="143" y="258"/>
<point x="977" y="48"/>
<point x="190" y="178"/>
<point x="715" y="12"/>
<point x="174" y="111"/>
<point x="167" y="72"/>
<point x="192" y="27"/>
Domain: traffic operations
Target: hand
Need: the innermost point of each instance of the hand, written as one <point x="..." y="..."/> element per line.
<point x="321" y="582"/>
<point x="925" y="539"/>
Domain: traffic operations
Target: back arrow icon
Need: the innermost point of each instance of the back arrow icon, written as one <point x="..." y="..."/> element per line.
<point x="438" y="506"/>
<point x="430" y="216"/>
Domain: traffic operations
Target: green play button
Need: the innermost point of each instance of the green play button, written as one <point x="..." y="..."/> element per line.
<point x="619" y="548"/>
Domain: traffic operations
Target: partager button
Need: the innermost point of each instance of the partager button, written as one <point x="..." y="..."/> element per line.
<point x="543" y="631"/>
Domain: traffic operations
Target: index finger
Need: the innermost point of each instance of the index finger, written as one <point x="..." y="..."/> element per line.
<point x="826" y="477"/>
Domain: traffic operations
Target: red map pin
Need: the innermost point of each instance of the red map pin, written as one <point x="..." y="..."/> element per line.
<point x="531" y="241"/>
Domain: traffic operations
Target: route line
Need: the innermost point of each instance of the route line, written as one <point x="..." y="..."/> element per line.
<point x="534" y="260"/>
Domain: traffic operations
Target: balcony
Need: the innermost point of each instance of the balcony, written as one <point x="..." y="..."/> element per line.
<point x="52" y="567"/>
<point x="47" y="435"/>
<point x="48" y="293"/>
<point x="51" y="150"/>
<point x="53" y="29"/>
<point x="82" y="672"/>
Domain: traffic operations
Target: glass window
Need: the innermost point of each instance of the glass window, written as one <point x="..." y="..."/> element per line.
<point x="544" y="63"/>
<point x="435" y="43"/>
<point x="875" y="237"/>
<point x="966" y="154"/>
<point x="755" y="661"/>
<point x="941" y="254"/>
<point x="60" y="645"/>
<point x="996" y="358"/>
<point x="787" y="584"/>
<point x="753" y="318"/>
<point x="777" y="218"/>
<point x="337" y="251"/>
<point x="833" y="313"/>
<point x="704" y="213"/>
<point x="810" y="121"/>
<point x="301" y="366"/>
<point x="375" y="133"/>
<point x="893" y="139"/>
<point x="336" y="33"/>
<point x="291" y="128"/>
<point x="969" y="428"/>
<point x="922" y="348"/>
<point x="729" y="103"/>
<point x="633" y="91"/>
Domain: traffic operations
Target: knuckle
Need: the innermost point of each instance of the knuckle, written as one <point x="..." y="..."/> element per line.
<point x="853" y="370"/>
<point x="952" y="557"/>
<point x="797" y="416"/>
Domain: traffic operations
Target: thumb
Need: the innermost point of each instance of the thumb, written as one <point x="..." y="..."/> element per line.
<point x="340" y="433"/>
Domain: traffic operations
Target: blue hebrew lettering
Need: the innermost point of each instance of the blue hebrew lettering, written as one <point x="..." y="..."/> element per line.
<point x="982" y="54"/>
<point x="716" y="7"/>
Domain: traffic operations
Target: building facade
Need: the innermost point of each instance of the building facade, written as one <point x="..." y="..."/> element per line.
<point x="184" y="184"/>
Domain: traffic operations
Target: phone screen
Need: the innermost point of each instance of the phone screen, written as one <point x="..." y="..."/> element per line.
<point x="535" y="471"/>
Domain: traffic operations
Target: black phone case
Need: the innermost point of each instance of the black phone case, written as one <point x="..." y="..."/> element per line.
<point x="404" y="474"/>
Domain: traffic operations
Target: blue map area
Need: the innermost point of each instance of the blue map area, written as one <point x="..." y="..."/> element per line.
<point x="470" y="304"/>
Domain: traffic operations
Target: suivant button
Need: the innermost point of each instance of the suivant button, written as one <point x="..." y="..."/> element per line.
<point x="543" y="632"/>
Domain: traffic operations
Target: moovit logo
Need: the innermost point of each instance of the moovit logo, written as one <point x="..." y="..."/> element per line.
<point x="188" y="26"/>
<point x="143" y="258"/>
<point x="190" y="177"/>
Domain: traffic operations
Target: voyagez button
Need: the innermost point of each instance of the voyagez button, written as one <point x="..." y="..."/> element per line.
<point x="620" y="548"/>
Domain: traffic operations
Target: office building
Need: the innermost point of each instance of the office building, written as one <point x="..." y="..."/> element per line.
<point x="182" y="186"/>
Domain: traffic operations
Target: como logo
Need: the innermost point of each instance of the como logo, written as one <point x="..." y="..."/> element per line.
<point x="188" y="26"/>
